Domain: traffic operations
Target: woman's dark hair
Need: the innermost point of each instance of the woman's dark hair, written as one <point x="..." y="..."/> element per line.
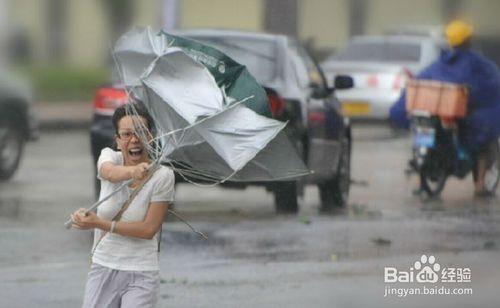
<point x="132" y="109"/>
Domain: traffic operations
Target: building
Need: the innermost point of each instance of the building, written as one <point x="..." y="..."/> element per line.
<point x="81" y="32"/>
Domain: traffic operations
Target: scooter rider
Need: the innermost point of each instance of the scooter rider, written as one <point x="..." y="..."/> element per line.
<point x="461" y="65"/>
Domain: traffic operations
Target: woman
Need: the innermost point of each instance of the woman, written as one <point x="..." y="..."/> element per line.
<point x="124" y="270"/>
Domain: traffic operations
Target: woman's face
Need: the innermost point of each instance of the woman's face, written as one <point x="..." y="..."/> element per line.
<point x="128" y="141"/>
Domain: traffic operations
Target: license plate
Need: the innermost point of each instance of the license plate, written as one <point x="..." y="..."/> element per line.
<point x="424" y="138"/>
<point x="356" y="108"/>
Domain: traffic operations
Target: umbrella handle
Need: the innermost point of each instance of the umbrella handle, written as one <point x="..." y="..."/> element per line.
<point x="69" y="222"/>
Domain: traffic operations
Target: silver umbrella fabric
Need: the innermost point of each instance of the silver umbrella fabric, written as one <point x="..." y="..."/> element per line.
<point x="208" y="134"/>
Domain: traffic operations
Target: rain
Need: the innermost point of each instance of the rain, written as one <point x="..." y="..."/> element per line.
<point x="295" y="184"/>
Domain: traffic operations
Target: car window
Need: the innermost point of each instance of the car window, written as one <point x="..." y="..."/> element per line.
<point x="307" y="71"/>
<point x="259" y="56"/>
<point x="380" y="51"/>
<point x="299" y="69"/>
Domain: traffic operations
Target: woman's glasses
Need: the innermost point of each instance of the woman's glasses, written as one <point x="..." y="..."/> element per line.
<point x="127" y="135"/>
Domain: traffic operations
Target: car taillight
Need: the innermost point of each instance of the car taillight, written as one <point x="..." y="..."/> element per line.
<point x="108" y="99"/>
<point x="316" y="117"/>
<point x="372" y="81"/>
<point x="276" y="103"/>
<point x="401" y="79"/>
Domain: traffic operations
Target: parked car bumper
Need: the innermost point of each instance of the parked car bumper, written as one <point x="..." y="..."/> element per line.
<point x="365" y="103"/>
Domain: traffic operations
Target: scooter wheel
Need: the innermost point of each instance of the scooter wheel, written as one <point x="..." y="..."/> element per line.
<point x="492" y="176"/>
<point x="434" y="185"/>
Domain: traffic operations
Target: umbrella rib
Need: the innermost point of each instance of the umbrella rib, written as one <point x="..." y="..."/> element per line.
<point x="183" y="130"/>
<point x="204" y="119"/>
<point x="192" y="182"/>
<point x="189" y="169"/>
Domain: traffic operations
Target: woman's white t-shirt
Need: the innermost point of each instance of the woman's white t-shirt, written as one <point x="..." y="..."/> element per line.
<point x="122" y="252"/>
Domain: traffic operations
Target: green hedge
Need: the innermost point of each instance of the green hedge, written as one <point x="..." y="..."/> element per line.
<point x="65" y="83"/>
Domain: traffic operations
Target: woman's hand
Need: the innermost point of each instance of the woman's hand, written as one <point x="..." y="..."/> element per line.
<point x="118" y="173"/>
<point x="84" y="221"/>
<point x="140" y="171"/>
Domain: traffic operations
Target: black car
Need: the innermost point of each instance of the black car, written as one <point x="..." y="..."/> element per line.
<point x="17" y="122"/>
<point x="297" y="93"/>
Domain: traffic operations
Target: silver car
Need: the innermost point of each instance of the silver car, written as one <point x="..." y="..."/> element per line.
<point x="380" y="67"/>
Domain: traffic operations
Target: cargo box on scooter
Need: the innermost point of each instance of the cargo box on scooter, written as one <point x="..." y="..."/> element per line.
<point x="443" y="99"/>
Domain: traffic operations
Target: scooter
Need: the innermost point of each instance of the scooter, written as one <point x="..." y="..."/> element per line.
<point x="439" y="154"/>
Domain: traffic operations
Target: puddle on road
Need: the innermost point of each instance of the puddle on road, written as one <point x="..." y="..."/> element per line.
<point x="356" y="233"/>
<point x="251" y="248"/>
<point x="191" y="239"/>
<point x="362" y="211"/>
<point x="18" y="209"/>
<point x="488" y="209"/>
<point x="10" y="207"/>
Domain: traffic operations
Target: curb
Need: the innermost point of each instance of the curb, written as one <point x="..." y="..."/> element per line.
<point x="64" y="124"/>
<point x="64" y="115"/>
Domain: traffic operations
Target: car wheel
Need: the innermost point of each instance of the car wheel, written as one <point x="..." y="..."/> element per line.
<point x="334" y="193"/>
<point x="11" y="148"/>
<point x="285" y="197"/>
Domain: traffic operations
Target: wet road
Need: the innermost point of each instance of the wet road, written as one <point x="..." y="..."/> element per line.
<point x="253" y="258"/>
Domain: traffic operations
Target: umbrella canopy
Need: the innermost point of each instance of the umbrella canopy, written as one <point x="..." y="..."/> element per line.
<point x="210" y="114"/>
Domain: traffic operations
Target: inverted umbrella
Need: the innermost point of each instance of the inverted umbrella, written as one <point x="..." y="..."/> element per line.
<point x="210" y="114"/>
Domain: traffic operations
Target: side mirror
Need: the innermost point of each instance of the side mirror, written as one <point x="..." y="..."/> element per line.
<point x="343" y="82"/>
<point x="318" y="91"/>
